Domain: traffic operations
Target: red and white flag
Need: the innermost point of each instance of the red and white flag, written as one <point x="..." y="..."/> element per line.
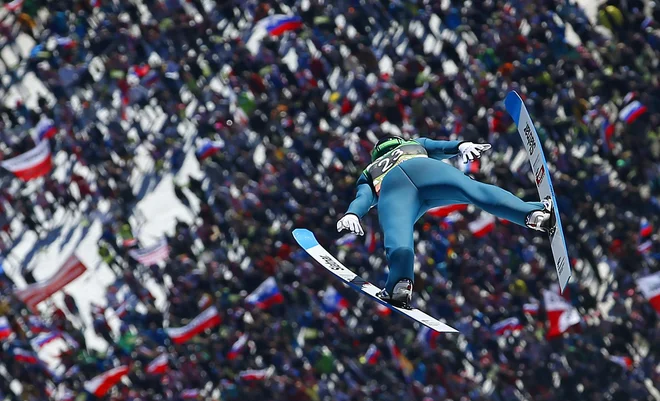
<point x="253" y="374"/>
<point x="32" y="164"/>
<point x="561" y="314"/>
<point x="624" y="361"/>
<point x="205" y="320"/>
<point x="650" y="288"/>
<point x="444" y="211"/>
<point x="102" y="383"/>
<point x="159" y="365"/>
<point x="483" y="225"/>
<point x="153" y="254"/>
<point x="33" y="294"/>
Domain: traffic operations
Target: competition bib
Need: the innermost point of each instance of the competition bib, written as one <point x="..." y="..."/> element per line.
<point x="377" y="170"/>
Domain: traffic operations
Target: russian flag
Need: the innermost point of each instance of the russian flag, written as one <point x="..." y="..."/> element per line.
<point x="36" y="325"/>
<point x="645" y="228"/>
<point x="332" y="301"/>
<point x="419" y="92"/>
<point x="205" y="320"/>
<point x="507" y="326"/>
<point x="208" y="148"/>
<point x="266" y="295"/>
<point x="95" y="3"/>
<point x="190" y="394"/>
<point x="101" y="384"/>
<point x="32" y="164"/>
<point x="624" y="361"/>
<point x="346" y="240"/>
<point x="66" y="42"/>
<point x="43" y="339"/>
<point x="5" y="328"/>
<point x="645" y="247"/>
<point x="45" y="129"/>
<point x="370" y="241"/>
<point x="632" y="112"/>
<point x="382" y="310"/>
<point x="159" y="365"/>
<point x="254" y="374"/>
<point x="277" y="24"/>
<point x="21" y="355"/>
<point x="472" y="167"/>
<point x="237" y="347"/>
<point x="428" y="337"/>
<point x="372" y="355"/>
<point x="482" y="226"/>
<point x="606" y="132"/>
<point x="444" y="211"/>
<point x="531" y="309"/>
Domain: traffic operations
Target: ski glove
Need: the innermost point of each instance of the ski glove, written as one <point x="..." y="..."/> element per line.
<point x="350" y="222"/>
<point x="470" y="151"/>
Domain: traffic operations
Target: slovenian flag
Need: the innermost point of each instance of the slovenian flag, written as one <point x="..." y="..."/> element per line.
<point x="278" y="24"/>
<point x="632" y="112"/>
<point x="266" y="295"/>
<point x="159" y="365"/>
<point x="45" y="129"/>
<point x="237" y="347"/>
<point x="101" y="384"/>
<point x="482" y="226"/>
<point x="372" y="355"/>
<point x="332" y="301"/>
<point x="21" y="355"/>
<point x="509" y="325"/>
<point x="205" y="320"/>
<point x="645" y="228"/>
<point x="5" y="328"/>
<point x="44" y="339"/>
<point x="208" y="148"/>
<point x="32" y="164"/>
<point x="428" y="337"/>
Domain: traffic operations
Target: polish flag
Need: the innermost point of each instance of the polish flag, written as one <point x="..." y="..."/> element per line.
<point x="159" y="365"/>
<point x="237" y="347"/>
<point x="650" y="288"/>
<point x="483" y="225"/>
<point x="253" y="374"/>
<point x="205" y="320"/>
<point x="32" y="164"/>
<point x="21" y="355"/>
<point x="266" y="295"/>
<point x="509" y="325"/>
<point x="372" y="355"/>
<point x="561" y="314"/>
<point x="444" y="211"/>
<point x="624" y="361"/>
<point x="102" y="383"/>
<point x="33" y="294"/>
<point x="5" y="328"/>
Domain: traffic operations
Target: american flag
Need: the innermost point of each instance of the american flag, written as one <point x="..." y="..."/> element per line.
<point x="153" y="254"/>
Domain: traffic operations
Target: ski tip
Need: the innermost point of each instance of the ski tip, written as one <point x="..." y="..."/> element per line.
<point x="513" y="104"/>
<point x="304" y="238"/>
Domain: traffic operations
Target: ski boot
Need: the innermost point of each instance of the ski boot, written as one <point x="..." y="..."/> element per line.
<point x="543" y="220"/>
<point x="401" y="294"/>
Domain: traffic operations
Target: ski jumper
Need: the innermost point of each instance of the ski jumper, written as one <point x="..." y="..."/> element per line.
<point x="409" y="180"/>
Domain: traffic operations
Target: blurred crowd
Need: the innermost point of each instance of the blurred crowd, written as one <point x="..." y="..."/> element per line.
<point x="297" y="115"/>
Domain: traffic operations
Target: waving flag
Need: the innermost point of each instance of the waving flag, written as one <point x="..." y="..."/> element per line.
<point x="632" y="112"/>
<point x="15" y="5"/>
<point x="606" y="133"/>
<point x="472" y="167"/>
<point x="428" y="337"/>
<point x="561" y="314"/>
<point x="483" y="225"/>
<point x="266" y="295"/>
<point x="43" y="339"/>
<point x="159" y="365"/>
<point x="45" y="129"/>
<point x="372" y="355"/>
<point x="21" y="355"/>
<point x="205" y="320"/>
<point x="382" y="310"/>
<point x="624" y="361"/>
<point x="649" y="286"/>
<point x="507" y="326"/>
<point x="277" y="24"/>
<point x="444" y="211"/>
<point x="237" y="347"/>
<point x="37" y="325"/>
<point x="32" y="164"/>
<point x="33" y="294"/>
<point x="102" y="383"/>
<point x="151" y="255"/>
<point x="208" y="148"/>
<point x="333" y="301"/>
<point x="401" y="361"/>
<point x="645" y="228"/>
<point x="531" y="309"/>
<point x="254" y="374"/>
<point x="190" y="394"/>
<point x="5" y="328"/>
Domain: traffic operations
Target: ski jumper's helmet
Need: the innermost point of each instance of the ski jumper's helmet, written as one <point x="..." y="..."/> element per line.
<point x="384" y="145"/>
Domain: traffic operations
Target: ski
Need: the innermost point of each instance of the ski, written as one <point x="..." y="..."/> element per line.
<point x="310" y="244"/>
<point x="520" y="115"/>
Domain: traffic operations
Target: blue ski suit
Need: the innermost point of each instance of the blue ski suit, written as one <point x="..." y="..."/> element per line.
<point x="411" y="179"/>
